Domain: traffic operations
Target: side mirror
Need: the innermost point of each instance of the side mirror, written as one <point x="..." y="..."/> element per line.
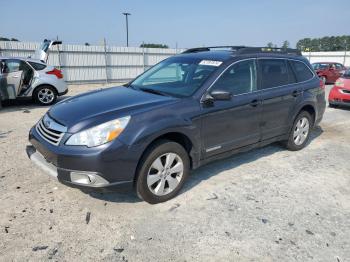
<point x="221" y="95"/>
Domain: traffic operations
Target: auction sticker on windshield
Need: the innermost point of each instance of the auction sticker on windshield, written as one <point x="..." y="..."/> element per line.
<point x="210" y="63"/>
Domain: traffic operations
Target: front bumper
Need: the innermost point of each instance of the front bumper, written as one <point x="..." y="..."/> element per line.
<point x="339" y="96"/>
<point x="110" y="168"/>
<point x="340" y="103"/>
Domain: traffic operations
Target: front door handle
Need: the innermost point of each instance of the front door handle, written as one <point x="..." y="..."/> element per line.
<point x="296" y="93"/>
<point x="15" y="76"/>
<point x="255" y="103"/>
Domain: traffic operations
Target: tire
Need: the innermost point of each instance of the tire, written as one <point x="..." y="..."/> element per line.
<point x="332" y="105"/>
<point x="45" y="95"/>
<point x="293" y="143"/>
<point x="154" y="174"/>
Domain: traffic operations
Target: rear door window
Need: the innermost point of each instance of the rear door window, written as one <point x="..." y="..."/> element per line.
<point x="302" y="72"/>
<point x="274" y="73"/>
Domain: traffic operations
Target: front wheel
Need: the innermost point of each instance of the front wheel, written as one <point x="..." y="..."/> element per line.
<point x="300" y="133"/>
<point x="45" y="95"/>
<point x="162" y="172"/>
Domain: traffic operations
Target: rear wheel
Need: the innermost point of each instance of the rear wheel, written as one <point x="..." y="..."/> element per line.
<point x="300" y="133"/>
<point x="45" y="95"/>
<point x="162" y="172"/>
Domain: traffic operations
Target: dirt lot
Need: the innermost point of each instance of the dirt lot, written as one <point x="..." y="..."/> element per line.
<point x="265" y="205"/>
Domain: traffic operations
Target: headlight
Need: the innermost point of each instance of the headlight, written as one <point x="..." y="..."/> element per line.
<point x="100" y="134"/>
<point x="339" y="83"/>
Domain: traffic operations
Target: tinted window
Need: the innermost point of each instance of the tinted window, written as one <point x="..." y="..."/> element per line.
<point x="240" y="78"/>
<point x="37" y="66"/>
<point x="275" y="72"/>
<point x="320" y="66"/>
<point x="339" y="66"/>
<point x="12" y="66"/>
<point x="346" y="74"/>
<point x="302" y="72"/>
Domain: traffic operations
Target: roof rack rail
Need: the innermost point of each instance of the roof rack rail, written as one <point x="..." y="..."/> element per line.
<point x="246" y="50"/>
<point x="281" y="50"/>
<point x="203" y="49"/>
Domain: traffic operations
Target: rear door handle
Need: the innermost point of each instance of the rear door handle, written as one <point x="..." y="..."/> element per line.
<point x="255" y="103"/>
<point x="15" y="76"/>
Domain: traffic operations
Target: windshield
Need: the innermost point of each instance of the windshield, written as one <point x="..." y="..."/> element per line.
<point x="320" y="66"/>
<point x="176" y="76"/>
<point x="347" y="74"/>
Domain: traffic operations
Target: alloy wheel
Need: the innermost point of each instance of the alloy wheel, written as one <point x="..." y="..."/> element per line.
<point x="301" y="131"/>
<point x="165" y="174"/>
<point x="46" y="95"/>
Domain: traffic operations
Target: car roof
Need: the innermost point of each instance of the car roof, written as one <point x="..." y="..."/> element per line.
<point x="225" y="55"/>
<point x="22" y="58"/>
<point x="326" y="63"/>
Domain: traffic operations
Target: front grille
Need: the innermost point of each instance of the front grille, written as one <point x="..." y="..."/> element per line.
<point x="53" y="135"/>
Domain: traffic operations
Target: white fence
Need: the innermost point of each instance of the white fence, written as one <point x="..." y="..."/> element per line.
<point x="94" y="64"/>
<point x="97" y="64"/>
<point x="342" y="57"/>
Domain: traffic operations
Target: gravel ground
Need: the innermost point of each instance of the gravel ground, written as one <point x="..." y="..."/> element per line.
<point x="265" y="205"/>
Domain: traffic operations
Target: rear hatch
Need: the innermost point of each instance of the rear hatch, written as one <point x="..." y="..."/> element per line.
<point x="42" y="52"/>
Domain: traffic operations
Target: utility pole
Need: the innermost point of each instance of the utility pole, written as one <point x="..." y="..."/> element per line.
<point x="127" y="28"/>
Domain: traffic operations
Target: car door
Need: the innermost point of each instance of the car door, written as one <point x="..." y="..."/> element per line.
<point x="233" y="123"/>
<point x="11" y="78"/>
<point x="279" y="94"/>
<point x="2" y="80"/>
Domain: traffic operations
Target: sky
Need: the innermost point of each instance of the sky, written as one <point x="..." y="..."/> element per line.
<point x="182" y="23"/>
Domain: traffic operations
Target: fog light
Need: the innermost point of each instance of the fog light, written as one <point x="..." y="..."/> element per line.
<point x="86" y="178"/>
<point x="82" y="178"/>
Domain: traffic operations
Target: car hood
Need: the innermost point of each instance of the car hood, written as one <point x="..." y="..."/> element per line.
<point x="346" y="81"/>
<point x="96" y="107"/>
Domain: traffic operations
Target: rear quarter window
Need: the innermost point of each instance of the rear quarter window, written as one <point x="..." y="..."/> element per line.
<point x="302" y="72"/>
<point x="37" y="66"/>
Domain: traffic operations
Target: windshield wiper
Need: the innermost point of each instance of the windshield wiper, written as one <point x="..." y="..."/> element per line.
<point x="153" y="91"/>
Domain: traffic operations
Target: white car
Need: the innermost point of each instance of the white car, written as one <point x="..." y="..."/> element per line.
<point x="31" y="78"/>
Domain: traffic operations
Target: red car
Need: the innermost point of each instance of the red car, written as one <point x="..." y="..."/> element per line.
<point x="340" y="93"/>
<point x="328" y="72"/>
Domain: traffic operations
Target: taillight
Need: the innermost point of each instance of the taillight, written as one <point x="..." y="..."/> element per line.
<point x="56" y="72"/>
<point x="322" y="84"/>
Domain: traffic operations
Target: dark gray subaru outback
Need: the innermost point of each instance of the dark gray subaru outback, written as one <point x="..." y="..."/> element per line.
<point x="192" y="108"/>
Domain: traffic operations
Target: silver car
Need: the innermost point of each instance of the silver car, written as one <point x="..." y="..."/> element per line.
<point x="30" y="78"/>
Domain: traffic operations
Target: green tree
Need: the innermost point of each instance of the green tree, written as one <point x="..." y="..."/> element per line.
<point x="270" y="45"/>
<point x="8" y="39"/>
<point x="154" y="46"/>
<point x="327" y="43"/>
<point x="285" y="44"/>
